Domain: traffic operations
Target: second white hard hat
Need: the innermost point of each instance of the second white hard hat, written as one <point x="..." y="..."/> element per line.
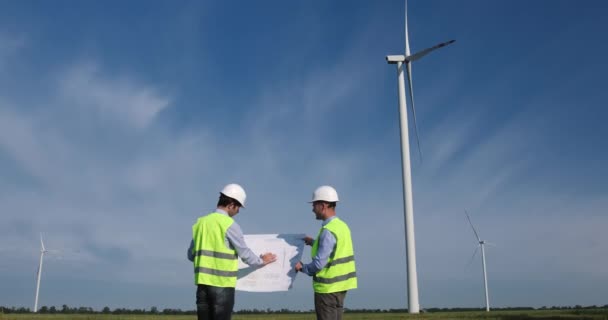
<point x="325" y="193"/>
<point x="235" y="192"/>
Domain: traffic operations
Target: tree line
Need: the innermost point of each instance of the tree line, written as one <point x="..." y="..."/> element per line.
<point x="65" y="309"/>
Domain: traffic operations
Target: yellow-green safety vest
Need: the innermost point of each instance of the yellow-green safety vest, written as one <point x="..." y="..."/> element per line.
<point x="215" y="264"/>
<point x="339" y="272"/>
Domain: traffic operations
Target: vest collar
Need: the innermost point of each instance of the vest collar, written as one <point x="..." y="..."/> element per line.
<point x="218" y="210"/>
<point x="328" y="221"/>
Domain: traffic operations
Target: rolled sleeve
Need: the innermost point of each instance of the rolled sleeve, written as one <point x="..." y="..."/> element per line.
<point x="327" y="242"/>
<point x="237" y="241"/>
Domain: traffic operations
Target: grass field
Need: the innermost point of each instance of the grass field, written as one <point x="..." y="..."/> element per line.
<point x="494" y="315"/>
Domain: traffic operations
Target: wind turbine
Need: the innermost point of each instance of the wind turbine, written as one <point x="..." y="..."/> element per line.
<point x="42" y="252"/>
<point x="482" y="243"/>
<point x="399" y="60"/>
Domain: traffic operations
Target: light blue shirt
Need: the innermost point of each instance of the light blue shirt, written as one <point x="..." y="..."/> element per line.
<point x="234" y="240"/>
<point x="327" y="243"/>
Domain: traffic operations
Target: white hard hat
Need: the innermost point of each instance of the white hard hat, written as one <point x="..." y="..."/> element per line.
<point x="325" y="193"/>
<point x="235" y="192"/>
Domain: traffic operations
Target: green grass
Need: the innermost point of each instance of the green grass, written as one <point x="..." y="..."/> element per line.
<point x="594" y="314"/>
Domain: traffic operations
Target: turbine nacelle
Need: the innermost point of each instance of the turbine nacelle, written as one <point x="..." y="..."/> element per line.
<point x="394" y="59"/>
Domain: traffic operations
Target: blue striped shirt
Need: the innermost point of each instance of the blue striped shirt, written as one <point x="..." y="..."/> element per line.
<point x="327" y="242"/>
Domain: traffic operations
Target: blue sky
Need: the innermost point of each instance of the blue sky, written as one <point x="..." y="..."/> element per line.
<point x="119" y="123"/>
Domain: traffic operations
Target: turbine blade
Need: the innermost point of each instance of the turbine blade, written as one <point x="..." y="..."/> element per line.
<point x="41" y="243"/>
<point x="407" y="39"/>
<point x="471" y="223"/>
<point x="472" y="257"/>
<point x="424" y="52"/>
<point x="409" y="77"/>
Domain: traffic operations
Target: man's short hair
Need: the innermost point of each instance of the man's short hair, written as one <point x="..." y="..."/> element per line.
<point x="225" y="201"/>
<point x="329" y="204"/>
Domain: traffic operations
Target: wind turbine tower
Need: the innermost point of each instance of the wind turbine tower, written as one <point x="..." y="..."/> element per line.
<point x="42" y="252"/>
<point x="400" y="60"/>
<point x="482" y="244"/>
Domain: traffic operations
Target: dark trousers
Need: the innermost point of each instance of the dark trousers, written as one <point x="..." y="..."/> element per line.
<point x="214" y="303"/>
<point x="329" y="306"/>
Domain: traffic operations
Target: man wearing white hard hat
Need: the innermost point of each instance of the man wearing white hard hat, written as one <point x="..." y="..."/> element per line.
<point x="217" y="242"/>
<point x="333" y="262"/>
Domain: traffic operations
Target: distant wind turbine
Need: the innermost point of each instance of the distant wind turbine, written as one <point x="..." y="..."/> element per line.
<point x="482" y="243"/>
<point x="399" y="60"/>
<point x="42" y="252"/>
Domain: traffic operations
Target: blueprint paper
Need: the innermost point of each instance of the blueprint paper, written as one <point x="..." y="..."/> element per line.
<point x="277" y="276"/>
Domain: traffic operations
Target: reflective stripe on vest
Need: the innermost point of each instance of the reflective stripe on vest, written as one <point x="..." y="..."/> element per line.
<point x="215" y="254"/>
<point x="339" y="273"/>
<point x="215" y="264"/>
<point x="335" y="279"/>
<point x="215" y="272"/>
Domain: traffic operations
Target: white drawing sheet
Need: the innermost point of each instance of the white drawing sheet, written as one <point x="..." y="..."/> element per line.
<point x="277" y="276"/>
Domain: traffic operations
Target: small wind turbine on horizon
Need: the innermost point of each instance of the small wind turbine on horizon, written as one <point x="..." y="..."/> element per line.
<point x="482" y="243"/>
<point x="399" y="60"/>
<point x="43" y="251"/>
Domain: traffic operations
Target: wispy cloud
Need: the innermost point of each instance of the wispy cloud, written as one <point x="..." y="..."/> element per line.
<point x="118" y="98"/>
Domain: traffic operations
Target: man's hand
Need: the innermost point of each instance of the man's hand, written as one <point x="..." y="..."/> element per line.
<point x="308" y="240"/>
<point x="298" y="266"/>
<point x="268" y="258"/>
